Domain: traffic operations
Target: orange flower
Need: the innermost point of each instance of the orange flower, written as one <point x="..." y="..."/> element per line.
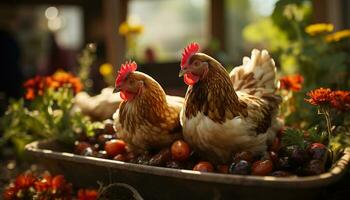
<point x="321" y="96"/>
<point x="64" y="78"/>
<point x="30" y="94"/>
<point x="292" y="82"/>
<point x="86" y="194"/>
<point x="38" y="84"/>
<point x="340" y="100"/>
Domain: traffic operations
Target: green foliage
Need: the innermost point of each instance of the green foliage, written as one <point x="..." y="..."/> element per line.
<point x="290" y="13"/>
<point x="85" y="60"/>
<point x="315" y="135"/>
<point x="266" y="32"/>
<point x="46" y="117"/>
<point x="293" y="137"/>
<point x="298" y="137"/>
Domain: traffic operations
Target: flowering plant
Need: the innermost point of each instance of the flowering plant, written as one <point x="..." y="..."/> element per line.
<point x="131" y="32"/>
<point x="327" y="101"/>
<point x="45" y="112"/>
<point x="44" y="187"/>
<point x="290" y="87"/>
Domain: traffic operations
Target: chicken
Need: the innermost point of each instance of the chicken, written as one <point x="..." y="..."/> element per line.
<point x="227" y="113"/>
<point x="99" y="107"/>
<point x="146" y="118"/>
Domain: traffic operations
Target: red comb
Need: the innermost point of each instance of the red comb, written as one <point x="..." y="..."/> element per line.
<point x="125" y="69"/>
<point x="188" y="52"/>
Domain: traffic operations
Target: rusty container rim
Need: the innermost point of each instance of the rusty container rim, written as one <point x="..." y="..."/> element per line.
<point x="316" y="181"/>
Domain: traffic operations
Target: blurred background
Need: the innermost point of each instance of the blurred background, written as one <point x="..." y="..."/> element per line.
<point x="38" y="37"/>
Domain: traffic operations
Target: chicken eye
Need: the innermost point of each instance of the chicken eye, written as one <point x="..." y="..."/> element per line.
<point x="131" y="82"/>
<point x="196" y="63"/>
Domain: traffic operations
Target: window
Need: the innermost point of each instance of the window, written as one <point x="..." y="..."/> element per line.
<point x="169" y="25"/>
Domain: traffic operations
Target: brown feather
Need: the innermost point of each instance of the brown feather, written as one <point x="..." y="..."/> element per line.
<point x="214" y="95"/>
<point x="151" y="115"/>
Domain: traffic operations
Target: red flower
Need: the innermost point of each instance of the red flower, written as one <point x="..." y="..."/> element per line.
<point x="340" y="100"/>
<point x="58" y="182"/>
<point x="44" y="184"/>
<point x="292" y="82"/>
<point x="86" y="194"/>
<point x="10" y="193"/>
<point x="321" y="96"/>
<point x="25" y="181"/>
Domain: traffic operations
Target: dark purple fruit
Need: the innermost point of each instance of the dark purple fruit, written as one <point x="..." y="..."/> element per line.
<point x="80" y="147"/>
<point x="315" y="167"/>
<point x="101" y="154"/>
<point x="273" y="157"/>
<point x="269" y="155"/>
<point x="276" y="145"/>
<point x="222" y="169"/>
<point x="173" y="164"/>
<point x="88" y="152"/>
<point x="161" y="158"/>
<point x="143" y="159"/>
<point x="299" y="156"/>
<point x="285" y="163"/>
<point x="287" y="151"/>
<point x="318" y="151"/>
<point x="103" y="138"/>
<point x="108" y="129"/>
<point x="244" y="155"/>
<point x="281" y="173"/>
<point x="92" y="140"/>
<point x="242" y="167"/>
<point x="131" y="157"/>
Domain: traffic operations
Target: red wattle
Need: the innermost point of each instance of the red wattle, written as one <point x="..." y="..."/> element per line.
<point x="190" y="79"/>
<point x="126" y="96"/>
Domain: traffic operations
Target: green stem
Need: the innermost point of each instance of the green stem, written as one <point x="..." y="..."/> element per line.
<point x="324" y="111"/>
<point x="298" y="31"/>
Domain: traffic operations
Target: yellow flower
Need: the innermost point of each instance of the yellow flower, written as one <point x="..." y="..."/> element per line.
<point x="136" y="29"/>
<point x="124" y="28"/>
<point x="127" y="29"/>
<point x="315" y="29"/>
<point x="337" y="36"/>
<point x="106" y="69"/>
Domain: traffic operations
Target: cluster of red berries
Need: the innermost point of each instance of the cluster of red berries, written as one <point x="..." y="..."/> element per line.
<point x="29" y="186"/>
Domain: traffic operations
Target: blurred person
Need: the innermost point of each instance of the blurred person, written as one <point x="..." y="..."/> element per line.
<point x="11" y="77"/>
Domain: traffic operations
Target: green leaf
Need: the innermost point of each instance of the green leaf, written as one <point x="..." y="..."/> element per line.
<point x="293" y="137"/>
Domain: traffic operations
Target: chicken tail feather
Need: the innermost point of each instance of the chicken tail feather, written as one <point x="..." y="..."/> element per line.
<point x="257" y="76"/>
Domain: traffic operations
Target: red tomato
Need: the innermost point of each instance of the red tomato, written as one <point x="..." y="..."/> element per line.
<point x="204" y="167"/>
<point x="223" y="169"/>
<point x="262" y="168"/>
<point x="180" y="150"/>
<point x="115" y="147"/>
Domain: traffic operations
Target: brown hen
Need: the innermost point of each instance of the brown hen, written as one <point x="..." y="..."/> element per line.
<point x="147" y="118"/>
<point x="226" y="113"/>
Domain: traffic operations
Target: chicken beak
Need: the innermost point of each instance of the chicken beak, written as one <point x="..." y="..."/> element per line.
<point x="116" y="90"/>
<point x="182" y="72"/>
